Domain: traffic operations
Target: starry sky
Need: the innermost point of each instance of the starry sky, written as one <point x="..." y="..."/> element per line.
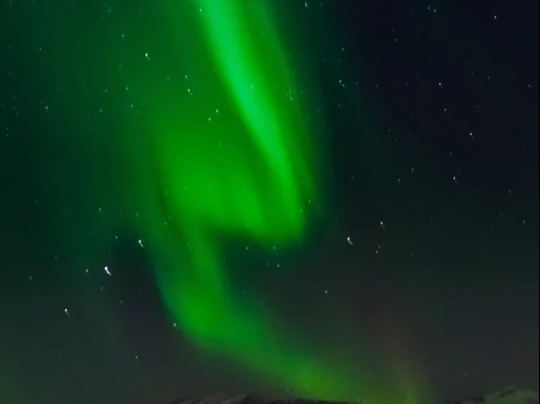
<point x="327" y="199"/>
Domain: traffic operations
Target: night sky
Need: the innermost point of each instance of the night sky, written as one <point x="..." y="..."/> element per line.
<point x="327" y="199"/>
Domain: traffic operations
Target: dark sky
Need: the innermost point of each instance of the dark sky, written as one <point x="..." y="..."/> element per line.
<point x="326" y="199"/>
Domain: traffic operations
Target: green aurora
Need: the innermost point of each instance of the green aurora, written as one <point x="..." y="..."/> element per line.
<point x="203" y="138"/>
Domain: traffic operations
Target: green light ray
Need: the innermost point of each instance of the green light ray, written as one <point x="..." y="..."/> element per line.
<point x="245" y="174"/>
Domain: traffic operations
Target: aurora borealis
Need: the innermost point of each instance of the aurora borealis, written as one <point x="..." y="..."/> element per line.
<point x="244" y="173"/>
<point x="215" y="157"/>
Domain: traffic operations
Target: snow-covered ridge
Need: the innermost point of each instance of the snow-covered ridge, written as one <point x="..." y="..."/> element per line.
<point x="506" y="396"/>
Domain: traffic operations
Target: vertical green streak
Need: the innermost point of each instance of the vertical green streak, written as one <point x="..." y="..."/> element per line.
<point x="247" y="172"/>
